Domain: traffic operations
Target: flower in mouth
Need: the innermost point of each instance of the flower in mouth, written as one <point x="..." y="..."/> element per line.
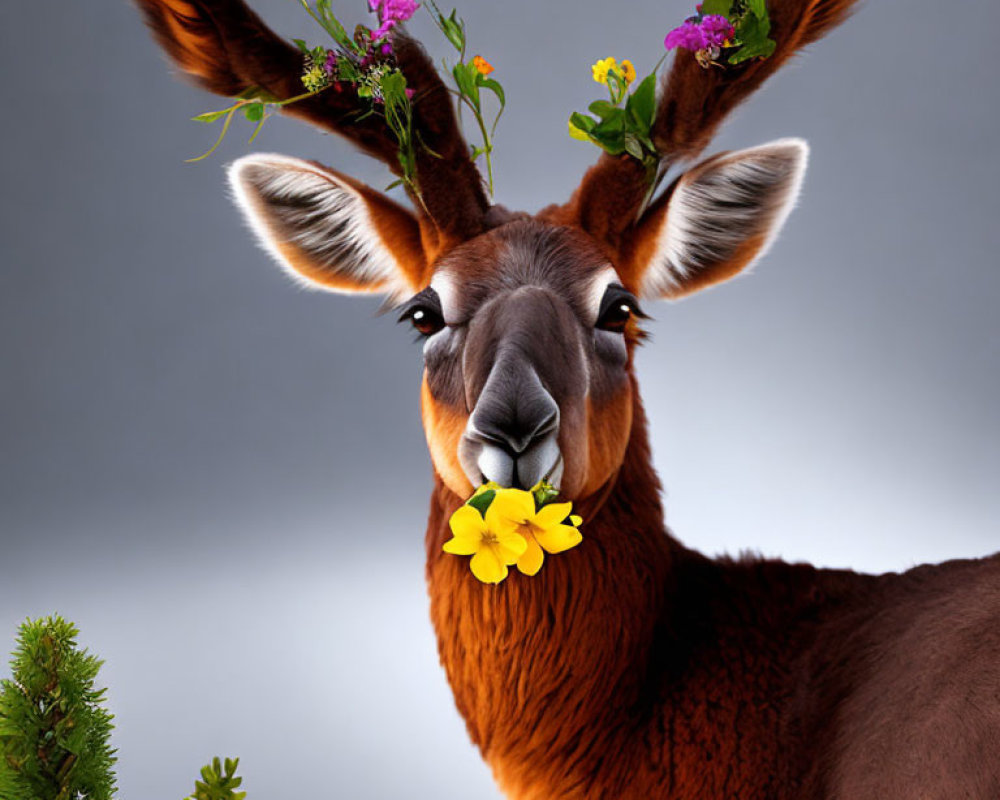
<point x="544" y="529"/>
<point x="492" y="549"/>
<point x="500" y="527"/>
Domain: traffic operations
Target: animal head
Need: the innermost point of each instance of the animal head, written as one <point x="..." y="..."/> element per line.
<point x="529" y="322"/>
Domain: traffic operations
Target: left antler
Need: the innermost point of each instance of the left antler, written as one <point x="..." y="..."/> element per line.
<point x="694" y="101"/>
<point x="227" y="49"/>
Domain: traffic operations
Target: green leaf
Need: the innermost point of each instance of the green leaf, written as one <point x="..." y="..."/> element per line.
<point x="581" y="122"/>
<point x="493" y="86"/>
<point x="254" y="112"/>
<point x="302" y="46"/>
<point x="465" y="80"/>
<point x="723" y="7"/>
<point x="613" y="143"/>
<point x="482" y="501"/>
<point x="211" y="116"/>
<point x="346" y="71"/>
<point x="641" y="103"/>
<point x="632" y="147"/>
<point x="759" y="50"/>
<point x="758" y="7"/>
<point x="600" y="108"/>
<point x="394" y="88"/>
<point x="753" y="30"/>
<point x="454" y="30"/>
<point x="613" y="123"/>
<point x="544" y="493"/>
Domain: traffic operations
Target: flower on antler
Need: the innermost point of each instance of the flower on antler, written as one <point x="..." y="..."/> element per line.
<point x="725" y="33"/>
<point x="696" y="34"/>
<point x="390" y="14"/>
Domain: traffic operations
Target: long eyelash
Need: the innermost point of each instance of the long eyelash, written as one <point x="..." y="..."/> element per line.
<point x="426" y="298"/>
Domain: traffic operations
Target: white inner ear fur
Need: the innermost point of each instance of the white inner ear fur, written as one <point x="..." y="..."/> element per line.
<point x="722" y="203"/>
<point x="298" y="206"/>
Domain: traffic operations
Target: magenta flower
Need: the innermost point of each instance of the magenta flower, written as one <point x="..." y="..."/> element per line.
<point x="717" y="29"/>
<point x="390" y="14"/>
<point x="695" y="34"/>
<point x="330" y="67"/>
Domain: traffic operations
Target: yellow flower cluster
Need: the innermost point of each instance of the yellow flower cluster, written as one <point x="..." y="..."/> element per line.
<point x="513" y="531"/>
<point x="625" y="71"/>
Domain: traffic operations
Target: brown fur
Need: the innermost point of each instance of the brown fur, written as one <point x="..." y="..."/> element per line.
<point x="635" y="668"/>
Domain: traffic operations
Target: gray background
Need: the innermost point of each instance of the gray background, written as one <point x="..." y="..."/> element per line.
<point x="189" y="446"/>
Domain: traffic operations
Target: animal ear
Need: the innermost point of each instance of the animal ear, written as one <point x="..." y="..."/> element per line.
<point x="327" y="230"/>
<point x="716" y="220"/>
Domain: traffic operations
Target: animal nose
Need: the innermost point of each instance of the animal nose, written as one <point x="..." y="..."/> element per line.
<point x="518" y="427"/>
<point x="512" y="430"/>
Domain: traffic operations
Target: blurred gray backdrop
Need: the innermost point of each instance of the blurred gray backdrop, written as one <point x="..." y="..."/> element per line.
<point x="191" y="448"/>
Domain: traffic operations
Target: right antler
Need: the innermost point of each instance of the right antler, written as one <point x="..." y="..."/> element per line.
<point x="227" y="49"/>
<point x="694" y="101"/>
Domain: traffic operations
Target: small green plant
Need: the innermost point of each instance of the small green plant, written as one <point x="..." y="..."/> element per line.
<point x="219" y="781"/>
<point x="54" y="729"/>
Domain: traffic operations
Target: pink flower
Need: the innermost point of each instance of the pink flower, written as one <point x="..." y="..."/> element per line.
<point x="688" y="36"/>
<point x="695" y="34"/>
<point x="718" y="30"/>
<point x="330" y="67"/>
<point x="390" y="14"/>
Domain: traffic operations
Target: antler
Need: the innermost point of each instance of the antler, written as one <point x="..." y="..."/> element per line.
<point x="694" y="102"/>
<point x="227" y="49"/>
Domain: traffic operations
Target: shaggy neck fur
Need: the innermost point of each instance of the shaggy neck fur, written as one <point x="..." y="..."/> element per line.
<point x="631" y="666"/>
<point x="545" y="666"/>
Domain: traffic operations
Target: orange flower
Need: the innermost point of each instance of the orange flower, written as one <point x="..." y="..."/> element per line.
<point x="484" y="66"/>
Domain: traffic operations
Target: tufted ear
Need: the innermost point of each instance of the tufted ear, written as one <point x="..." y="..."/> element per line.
<point x="716" y="220"/>
<point x="327" y="230"/>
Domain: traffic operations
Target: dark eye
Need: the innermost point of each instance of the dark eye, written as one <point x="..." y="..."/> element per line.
<point x="616" y="317"/>
<point x="617" y="307"/>
<point x="424" y="312"/>
<point x="427" y="321"/>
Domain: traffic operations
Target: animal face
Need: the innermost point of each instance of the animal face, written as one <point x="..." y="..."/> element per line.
<point x="529" y="326"/>
<point x="528" y="333"/>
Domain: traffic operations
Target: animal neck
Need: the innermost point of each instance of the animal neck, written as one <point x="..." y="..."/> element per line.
<point x="547" y="667"/>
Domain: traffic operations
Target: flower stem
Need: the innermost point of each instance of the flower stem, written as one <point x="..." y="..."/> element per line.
<point x="487" y="142"/>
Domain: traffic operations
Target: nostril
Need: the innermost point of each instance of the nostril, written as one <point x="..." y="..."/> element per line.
<point x="490" y="435"/>
<point x="515" y="436"/>
<point x="514" y="411"/>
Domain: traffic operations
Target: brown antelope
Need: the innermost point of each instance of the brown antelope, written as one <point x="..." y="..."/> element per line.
<point x="631" y="667"/>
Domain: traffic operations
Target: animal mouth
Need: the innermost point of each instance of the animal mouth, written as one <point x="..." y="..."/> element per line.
<point x="484" y="462"/>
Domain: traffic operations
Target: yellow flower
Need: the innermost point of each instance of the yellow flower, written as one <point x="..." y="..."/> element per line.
<point x="601" y="69"/>
<point x="493" y="548"/>
<point x="628" y="71"/>
<point x="484" y="66"/>
<point x="513" y="512"/>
